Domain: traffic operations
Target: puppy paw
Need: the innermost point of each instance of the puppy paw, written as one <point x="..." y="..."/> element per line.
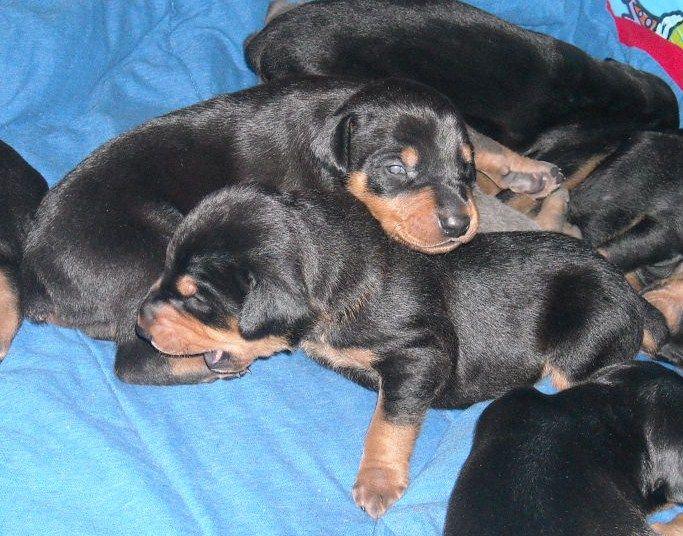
<point x="377" y="488"/>
<point x="533" y="177"/>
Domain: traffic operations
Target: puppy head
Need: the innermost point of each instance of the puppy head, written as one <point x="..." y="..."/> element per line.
<point x="653" y="397"/>
<point x="405" y="153"/>
<point x="231" y="287"/>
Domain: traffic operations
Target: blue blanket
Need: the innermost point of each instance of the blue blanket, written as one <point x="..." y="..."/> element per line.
<point x="273" y="453"/>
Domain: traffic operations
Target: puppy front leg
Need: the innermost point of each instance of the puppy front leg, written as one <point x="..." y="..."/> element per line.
<point x="384" y="468"/>
<point x="409" y="383"/>
<point x="512" y="171"/>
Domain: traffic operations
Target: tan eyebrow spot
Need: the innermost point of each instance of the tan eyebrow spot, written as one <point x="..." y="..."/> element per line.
<point x="186" y="286"/>
<point x="410" y="156"/>
<point x="466" y="152"/>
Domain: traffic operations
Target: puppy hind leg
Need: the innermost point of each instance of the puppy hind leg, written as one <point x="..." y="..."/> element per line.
<point x="646" y="242"/>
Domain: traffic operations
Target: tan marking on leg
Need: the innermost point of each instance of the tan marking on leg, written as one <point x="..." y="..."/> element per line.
<point x="634" y="281"/>
<point x="672" y="528"/>
<point x="9" y="313"/>
<point x="192" y="370"/>
<point x="175" y="332"/>
<point x="523" y="203"/>
<point x="410" y="156"/>
<point x="186" y="286"/>
<point x="576" y="178"/>
<point x="553" y="213"/>
<point x="648" y="344"/>
<point x="557" y="377"/>
<point x="572" y="230"/>
<point x="500" y="163"/>
<point x="384" y="468"/>
<point x="486" y="185"/>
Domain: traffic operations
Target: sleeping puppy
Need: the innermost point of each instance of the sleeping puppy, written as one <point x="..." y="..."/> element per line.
<point x="21" y="189"/>
<point x="249" y="273"/>
<point x="100" y="235"/>
<point x="395" y="146"/>
<point x="511" y="84"/>
<point x="592" y="460"/>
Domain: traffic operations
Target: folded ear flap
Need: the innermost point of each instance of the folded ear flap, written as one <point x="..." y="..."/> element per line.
<point x="333" y="147"/>
<point x="272" y="308"/>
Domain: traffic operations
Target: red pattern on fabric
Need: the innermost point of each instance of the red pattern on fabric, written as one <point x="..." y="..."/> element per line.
<point x="666" y="53"/>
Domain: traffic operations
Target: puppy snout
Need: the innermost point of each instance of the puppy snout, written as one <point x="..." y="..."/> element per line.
<point x="146" y="317"/>
<point x="453" y="224"/>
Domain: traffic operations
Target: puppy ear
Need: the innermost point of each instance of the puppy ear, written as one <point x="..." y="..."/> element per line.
<point x="273" y="308"/>
<point x="333" y="147"/>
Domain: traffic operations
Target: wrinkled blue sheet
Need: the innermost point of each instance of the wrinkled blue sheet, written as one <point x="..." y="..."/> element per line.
<point x="273" y="453"/>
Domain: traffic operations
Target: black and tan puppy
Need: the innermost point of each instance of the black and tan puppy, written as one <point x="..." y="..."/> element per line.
<point x="511" y="84"/>
<point x="100" y="236"/>
<point x="592" y="460"/>
<point x="631" y="205"/>
<point x="21" y="189"/>
<point x="250" y="273"/>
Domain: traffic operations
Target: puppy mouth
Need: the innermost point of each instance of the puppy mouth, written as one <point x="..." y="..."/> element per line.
<point x="222" y="362"/>
<point x="443" y="246"/>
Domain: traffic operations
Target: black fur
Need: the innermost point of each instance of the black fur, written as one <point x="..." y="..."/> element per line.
<point x="448" y="330"/>
<point x="100" y="235"/>
<point x="510" y="84"/>
<point x="591" y="460"/>
<point x="528" y="91"/>
<point x="631" y="205"/>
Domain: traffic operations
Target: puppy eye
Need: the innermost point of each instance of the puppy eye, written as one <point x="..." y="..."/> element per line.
<point x="396" y="169"/>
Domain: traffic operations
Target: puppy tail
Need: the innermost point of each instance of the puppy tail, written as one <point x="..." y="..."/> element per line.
<point x="655" y="331"/>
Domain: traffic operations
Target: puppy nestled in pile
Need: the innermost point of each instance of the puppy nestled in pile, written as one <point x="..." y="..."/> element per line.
<point x="377" y="205"/>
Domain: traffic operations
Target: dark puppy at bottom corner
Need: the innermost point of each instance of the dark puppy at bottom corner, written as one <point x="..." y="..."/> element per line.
<point x="21" y="189"/>
<point x="594" y="459"/>
<point x="251" y="272"/>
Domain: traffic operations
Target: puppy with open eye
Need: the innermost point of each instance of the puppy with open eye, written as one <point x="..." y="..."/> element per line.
<point x="251" y="272"/>
<point x="398" y="147"/>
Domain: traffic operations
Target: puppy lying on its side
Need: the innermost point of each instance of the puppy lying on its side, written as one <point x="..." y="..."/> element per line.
<point x="592" y="460"/>
<point x="249" y="273"/>
<point x="21" y="189"/>
<point x="396" y="146"/>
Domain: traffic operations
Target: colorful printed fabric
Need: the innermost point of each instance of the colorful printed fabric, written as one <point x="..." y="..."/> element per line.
<point x="655" y="26"/>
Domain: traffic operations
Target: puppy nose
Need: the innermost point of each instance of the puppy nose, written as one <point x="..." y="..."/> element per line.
<point x="454" y="225"/>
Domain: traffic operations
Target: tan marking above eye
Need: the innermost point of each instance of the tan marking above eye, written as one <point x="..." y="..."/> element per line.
<point x="466" y="152"/>
<point x="410" y="156"/>
<point x="186" y="286"/>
